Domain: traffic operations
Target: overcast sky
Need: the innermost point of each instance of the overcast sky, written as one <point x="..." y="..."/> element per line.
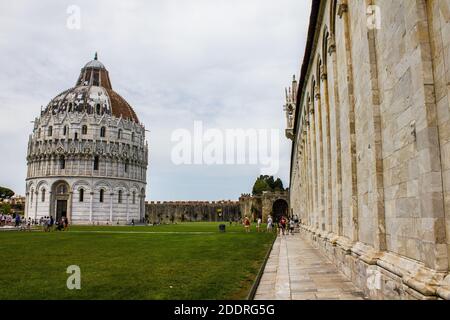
<point x="222" y="62"/>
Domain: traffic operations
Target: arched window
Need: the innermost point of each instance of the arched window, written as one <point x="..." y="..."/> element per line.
<point x="119" y="134"/>
<point x="96" y="162"/>
<point x="97" y="108"/>
<point x="65" y="130"/>
<point x="333" y="18"/>
<point x="120" y="196"/>
<point x="96" y="80"/>
<point x="70" y="106"/>
<point x="126" y="166"/>
<point x="76" y="136"/>
<point x="62" y="162"/>
<point x="50" y="131"/>
<point x="43" y="195"/>
<point x="102" y="132"/>
<point x="84" y="129"/>
<point x="132" y="136"/>
<point x="81" y="195"/>
<point x="102" y="195"/>
<point x="134" y="197"/>
<point x="39" y="133"/>
<point x="325" y="48"/>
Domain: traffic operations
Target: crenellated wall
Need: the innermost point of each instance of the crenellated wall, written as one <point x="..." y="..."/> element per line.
<point x="189" y="211"/>
<point x="370" y="155"/>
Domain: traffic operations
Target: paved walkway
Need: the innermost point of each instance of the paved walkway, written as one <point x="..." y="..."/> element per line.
<point x="297" y="271"/>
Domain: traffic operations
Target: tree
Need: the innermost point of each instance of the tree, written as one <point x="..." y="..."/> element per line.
<point x="278" y="185"/>
<point x="260" y="186"/>
<point x="6" y="193"/>
<point x="267" y="183"/>
<point x="5" y="208"/>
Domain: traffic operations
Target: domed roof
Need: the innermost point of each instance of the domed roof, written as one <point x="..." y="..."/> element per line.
<point x="92" y="94"/>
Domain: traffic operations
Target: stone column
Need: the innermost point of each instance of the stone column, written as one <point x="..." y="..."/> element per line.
<point x="309" y="179"/>
<point x="27" y="194"/>
<point x="314" y="182"/>
<point x="128" y="210"/>
<point x="69" y="207"/>
<point x="327" y="145"/>
<point x="320" y="161"/>
<point x="36" y="204"/>
<point x="91" y="206"/>
<point x="111" y="207"/>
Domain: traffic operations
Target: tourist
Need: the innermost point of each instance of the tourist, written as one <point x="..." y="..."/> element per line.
<point x="29" y="224"/>
<point x="51" y="223"/>
<point x="269" y="224"/>
<point x="258" y="224"/>
<point x="66" y="224"/>
<point x="59" y="224"/>
<point x="132" y="222"/>
<point x="291" y="226"/>
<point x="45" y="223"/>
<point x="17" y="220"/>
<point x="282" y="225"/>
<point x="246" y="224"/>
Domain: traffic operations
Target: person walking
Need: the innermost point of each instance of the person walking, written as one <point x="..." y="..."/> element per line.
<point x="246" y="224"/>
<point x="66" y="223"/>
<point x="45" y="223"/>
<point x="283" y="226"/>
<point x="258" y="224"/>
<point x="269" y="224"/>
<point x="51" y="223"/>
<point x="17" y="221"/>
<point x="292" y="224"/>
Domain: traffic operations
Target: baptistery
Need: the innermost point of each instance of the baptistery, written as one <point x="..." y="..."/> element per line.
<point x="87" y="155"/>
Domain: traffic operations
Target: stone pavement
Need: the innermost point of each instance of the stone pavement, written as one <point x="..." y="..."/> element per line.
<point x="297" y="271"/>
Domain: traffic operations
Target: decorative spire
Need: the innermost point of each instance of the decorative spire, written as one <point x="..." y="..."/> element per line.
<point x="95" y="57"/>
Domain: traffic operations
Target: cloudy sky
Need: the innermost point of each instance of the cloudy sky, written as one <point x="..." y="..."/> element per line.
<point x="222" y="62"/>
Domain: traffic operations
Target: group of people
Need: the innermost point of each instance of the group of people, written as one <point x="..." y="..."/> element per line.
<point x="284" y="225"/>
<point x="7" y="220"/>
<point x="49" y="223"/>
<point x="18" y="221"/>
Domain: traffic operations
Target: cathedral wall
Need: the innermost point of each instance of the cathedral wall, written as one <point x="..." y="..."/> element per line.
<point x="438" y="13"/>
<point x="370" y="170"/>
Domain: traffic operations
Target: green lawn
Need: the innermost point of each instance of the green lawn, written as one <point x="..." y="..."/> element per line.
<point x="184" y="261"/>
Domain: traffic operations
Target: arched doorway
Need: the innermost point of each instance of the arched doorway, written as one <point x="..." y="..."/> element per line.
<point x="60" y="200"/>
<point x="279" y="208"/>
